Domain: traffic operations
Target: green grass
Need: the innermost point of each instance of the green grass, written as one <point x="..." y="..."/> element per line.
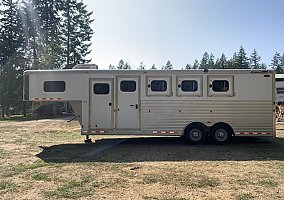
<point x="7" y="186"/>
<point x="18" y="169"/>
<point x="72" y="189"/>
<point x="41" y="177"/>
<point x="244" y="197"/>
<point x="192" y="181"/>
<point x="268" y="183"/>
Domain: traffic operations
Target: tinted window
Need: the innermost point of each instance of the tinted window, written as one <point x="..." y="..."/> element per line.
<point x="189" y="86"/>
<point x="101" y="88"/>
<point x="280" y="90"/>
<point x="128" y="86"/>
<point x="220" y="86"/>
<point x="54" y="86"/>
<point x="158" y="85"/>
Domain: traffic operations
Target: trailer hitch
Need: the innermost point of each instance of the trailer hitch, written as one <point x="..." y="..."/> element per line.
<point x="73" y="118"/>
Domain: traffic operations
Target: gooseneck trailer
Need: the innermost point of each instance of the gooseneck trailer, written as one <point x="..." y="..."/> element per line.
<point x="197" y="104"/>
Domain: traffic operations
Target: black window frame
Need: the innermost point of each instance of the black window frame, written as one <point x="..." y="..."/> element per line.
<point x="127" y="87"/>
<point x="54" y="86"/>
<point x="193" y="81"/>
<point x="161" y="84"/>
<point x="219" y="88"/>
<point x="98" y="91"/>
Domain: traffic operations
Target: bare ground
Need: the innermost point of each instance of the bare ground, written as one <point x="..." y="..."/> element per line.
<point x="46" y="159"/>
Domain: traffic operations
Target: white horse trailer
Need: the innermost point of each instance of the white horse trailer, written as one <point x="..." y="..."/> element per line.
<point x="196" y="104"/>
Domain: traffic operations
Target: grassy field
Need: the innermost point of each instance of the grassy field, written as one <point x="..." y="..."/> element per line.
<point x="46" y="159"/>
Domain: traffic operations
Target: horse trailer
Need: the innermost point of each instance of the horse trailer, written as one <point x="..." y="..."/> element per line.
<point x="197" y="104"/>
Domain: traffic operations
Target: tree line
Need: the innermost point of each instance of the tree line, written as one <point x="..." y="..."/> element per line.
<point x="39" y="34"/>
<point x="239" y="60"/>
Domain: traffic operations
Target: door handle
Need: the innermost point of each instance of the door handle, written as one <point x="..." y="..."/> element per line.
<point x="132" y="105"/>
<point x="136" y="105"/>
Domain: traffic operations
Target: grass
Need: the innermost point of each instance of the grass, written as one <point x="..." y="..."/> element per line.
<point x="156" y="169"/>
<point x="20" y="168"/>
<point x="244" y="197"/>
<point x="72" y="189"/>
<point x="41" y="177"/>
<point x="183" y="179"/>
<point x="7" y="186"/>
<point x="17" y="118"/>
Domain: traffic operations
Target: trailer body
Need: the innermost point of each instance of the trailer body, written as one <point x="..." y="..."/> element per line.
<point x="161" y="102"/>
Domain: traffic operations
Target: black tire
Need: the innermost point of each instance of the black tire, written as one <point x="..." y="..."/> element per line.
<point x="221" y="134"/>
<point x="195" y="134"/>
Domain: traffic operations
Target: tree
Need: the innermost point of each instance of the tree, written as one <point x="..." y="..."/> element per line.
<point x="204" y="61"/>
<point x="255" y="60"/>
<point x="168" y="66"/>
<point x="111" y="66"/>
<point x="153" y="66"/>
<point x="127" y="66"/>
<point x="211" y="63"/>
<point x="188" y="66"/>
<point x="195" y="64"/>
<point x="242" y="61"/>
<point x="120" y="64"/>
<point x="141" y="66"/>
<point x="276" y="63"/>
<point x="76" y="32"/>
<point x="12" y="58"/>
<point x="222" y="63"/>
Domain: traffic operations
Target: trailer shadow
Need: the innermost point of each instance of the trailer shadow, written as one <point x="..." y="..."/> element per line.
<point x="127" y="150"/>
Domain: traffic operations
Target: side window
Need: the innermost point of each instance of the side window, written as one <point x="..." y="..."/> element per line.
<point x="189" y="86"/>
<point x="220" y="85"/>
<point x="158" y="85"/>
<point x="54" y="86"/>
<point x="101" y="88"/>
<point x="128" y="86"/>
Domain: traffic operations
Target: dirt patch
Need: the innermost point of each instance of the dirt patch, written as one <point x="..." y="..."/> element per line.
<point x="46" y="159"/>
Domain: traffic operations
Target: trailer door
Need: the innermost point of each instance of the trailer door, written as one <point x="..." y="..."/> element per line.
<point x="127" y="103"/>
<point x="101" y="104"/>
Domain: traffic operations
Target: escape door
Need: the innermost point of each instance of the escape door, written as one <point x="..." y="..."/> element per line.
<point x="101" y="112"/>
<point x="127" y="103"/>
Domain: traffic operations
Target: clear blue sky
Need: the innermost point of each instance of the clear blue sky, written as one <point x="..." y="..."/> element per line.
<point x="154" y="31"/>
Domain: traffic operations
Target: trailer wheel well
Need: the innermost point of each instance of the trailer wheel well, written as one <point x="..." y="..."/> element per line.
<point x="206" y="128"/>
<point x="228" y="127"/>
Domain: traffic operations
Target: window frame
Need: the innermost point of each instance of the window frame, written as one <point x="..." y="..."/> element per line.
<point x="50" y="86"/>
<point x="197" y="93"/>
<point x="101" y="84"/>
<point x="166" y="93"/>
<point x="229" y="93"/>
<point x="127" y="90"/>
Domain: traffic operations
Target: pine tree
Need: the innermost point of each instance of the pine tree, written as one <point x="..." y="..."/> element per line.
<point x="111" y="66"/>
<point x="120" y="64"/>
<point x="188" y="66"/>
<point x="153" y="66"/>
<point x="12" y="58"/>
<point x="276" y="63"/>
<point x="195" y="64"/>
<point x="242" y="61"/>
<point x="127" y="66"/>
<point x="76" y="32"/>
<point x="168" y="66"/>
<point x="222" y="64"/>
<point x="204" y="61"/>
<point x="255" y="60"/>
<point x="141" y="66"/>
<point x="211" y="63"/>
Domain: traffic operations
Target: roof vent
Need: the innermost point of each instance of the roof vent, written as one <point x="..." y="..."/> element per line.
<point x="86" y="66"/>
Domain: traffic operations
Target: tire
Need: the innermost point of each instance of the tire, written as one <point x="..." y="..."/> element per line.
<point x="195" y="134"/>
<point x="221" y="134"/>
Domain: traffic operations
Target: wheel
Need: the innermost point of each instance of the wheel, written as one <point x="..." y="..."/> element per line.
<point x="221" y="134"/>
<point x="195" y="134"/>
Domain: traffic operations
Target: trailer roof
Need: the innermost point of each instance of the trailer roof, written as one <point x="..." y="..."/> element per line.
<point x="184" y="72"/>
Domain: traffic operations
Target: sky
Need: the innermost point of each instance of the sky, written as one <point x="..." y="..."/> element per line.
<point x="155" y="31"/>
